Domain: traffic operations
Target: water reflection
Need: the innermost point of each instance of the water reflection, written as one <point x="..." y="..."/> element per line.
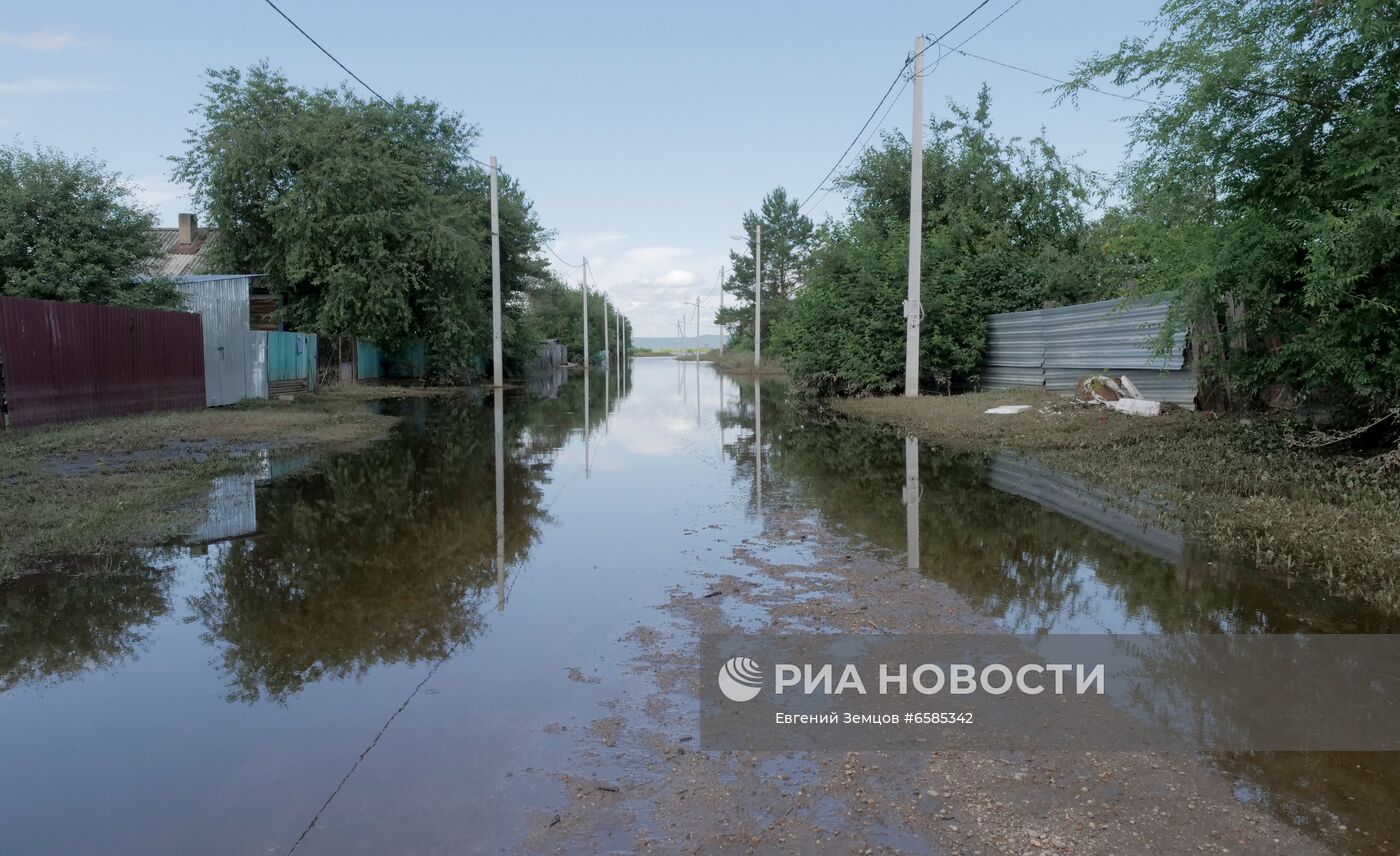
<point x="1001" y="531"/>
<point x="55" y="626"/>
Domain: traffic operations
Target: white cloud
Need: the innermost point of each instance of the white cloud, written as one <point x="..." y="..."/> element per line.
<point x="44" y="40"/>
<point x="676" y="276"/>
<point x="658" y="254"/>
<point x="50" y="86"/>
<point x="161" y="195"/>
<point x="649" y="284"/>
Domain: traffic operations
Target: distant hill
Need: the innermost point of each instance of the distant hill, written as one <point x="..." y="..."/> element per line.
<point x="671" y="343"/>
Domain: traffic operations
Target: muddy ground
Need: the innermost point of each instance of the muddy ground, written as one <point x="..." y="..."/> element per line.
<point x="641" y="784"/>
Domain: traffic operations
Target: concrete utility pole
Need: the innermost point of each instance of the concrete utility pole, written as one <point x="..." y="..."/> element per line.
<point x="696" y="303"/>
<point x="913" y="308"/>
<point x="585" y="312"/>
<point x="757" y="293"/>
<point x="606" y="363"/>
<point x="617" y="331"/>
<point x="497" y="376"/>
<point x="723" y="331"/>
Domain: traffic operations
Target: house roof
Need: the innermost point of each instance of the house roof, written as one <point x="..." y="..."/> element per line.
<point x="177" y="259"/>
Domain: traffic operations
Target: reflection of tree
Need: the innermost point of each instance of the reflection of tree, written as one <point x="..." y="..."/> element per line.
<point x="54" y="626"/>
<point x="376" y="557"/>
<point x="1015" y="560"/>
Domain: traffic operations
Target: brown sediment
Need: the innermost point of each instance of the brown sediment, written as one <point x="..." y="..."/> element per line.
<point x="673" y="797"/>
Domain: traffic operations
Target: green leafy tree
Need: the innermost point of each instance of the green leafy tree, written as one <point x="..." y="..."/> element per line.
<point x="70" y="229"/>
<point x="1265" y="192"/>
<point x="787" y="239"/>
<point x="554" y="310"/>
<point x="1004" y="229"/>
<point x="370" y="219"/>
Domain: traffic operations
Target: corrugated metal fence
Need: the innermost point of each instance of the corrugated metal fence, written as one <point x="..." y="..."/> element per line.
<point x="1054" y="348"/>
<point x="231" y="357"/>
<point x="63" y="362"/>
<point x="291" y="362"/>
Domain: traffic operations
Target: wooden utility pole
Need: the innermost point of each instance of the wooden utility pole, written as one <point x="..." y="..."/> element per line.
<point x="913" y="308"/>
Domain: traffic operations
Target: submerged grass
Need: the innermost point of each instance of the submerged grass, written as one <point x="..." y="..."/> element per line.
<point x="1233" y="484"/>
<point x="737" y="363"/>
<point x="95" y="487"/>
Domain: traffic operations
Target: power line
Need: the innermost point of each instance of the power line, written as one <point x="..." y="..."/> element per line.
<point x="1089" y="87"/>
<point x="346" y="69"/>
<point x="559" y="257"/>
<point x="883" y="98"/>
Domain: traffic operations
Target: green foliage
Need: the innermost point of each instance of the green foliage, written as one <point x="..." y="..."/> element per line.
<point x="1004" y="230"/>
<point x="369" y="219"/>
<point x="1268" y="180"/>
<point x="787" y="241"/>
<point x="71" y="230"/>
<point x="554" y="310"/>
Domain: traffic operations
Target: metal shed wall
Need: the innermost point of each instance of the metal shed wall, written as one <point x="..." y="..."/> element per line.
<point x="1054" y="348"/>
<point x="64" y="362"/>
<point x="229" y="352"/>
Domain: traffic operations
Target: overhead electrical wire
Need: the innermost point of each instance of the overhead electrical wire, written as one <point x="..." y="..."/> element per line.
<point x="346" y="69"/>
<point x="1088" y="87"/>
<point x="885" y="97"/>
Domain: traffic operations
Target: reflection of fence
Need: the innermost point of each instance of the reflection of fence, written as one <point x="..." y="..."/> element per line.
<point x="1098" y="509"/>
<point x="61" y="362"/>
<point x="1054" y="348"/>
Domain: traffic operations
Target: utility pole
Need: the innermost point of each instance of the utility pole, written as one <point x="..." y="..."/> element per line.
<point x="913" y="307"/>
<point x="723" y="333"/>
<point x="497" y="376"/>
<point x="757" y="293"/>
<point x="585" y="313"/>
<point x="696" y="304"/>
<point x="606" y="363"/>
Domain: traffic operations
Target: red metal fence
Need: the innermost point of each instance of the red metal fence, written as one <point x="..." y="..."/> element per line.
<point x="61" y="362"/>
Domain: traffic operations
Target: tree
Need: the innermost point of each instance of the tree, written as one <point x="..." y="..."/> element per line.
<point x="71" y="230"/>
<point x="1004" y="230"/>
<point x="1266" y="190"/>
<point x="787" y="238"/>
<point x="555" y="311"/>
<point x="369" y="219"/>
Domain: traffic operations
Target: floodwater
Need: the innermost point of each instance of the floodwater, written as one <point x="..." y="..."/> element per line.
<point x="365" y="654"/>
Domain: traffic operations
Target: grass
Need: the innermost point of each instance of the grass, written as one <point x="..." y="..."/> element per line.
<point x="1232" y="484"/>
<point x="737" y="363"/>
<point x="95" y="487"/>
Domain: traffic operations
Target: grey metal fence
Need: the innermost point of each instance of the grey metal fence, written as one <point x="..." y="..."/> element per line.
<point x="1053" y="348"/>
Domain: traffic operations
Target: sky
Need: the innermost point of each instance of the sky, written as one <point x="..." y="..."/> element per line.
<point x="641" y="130"/>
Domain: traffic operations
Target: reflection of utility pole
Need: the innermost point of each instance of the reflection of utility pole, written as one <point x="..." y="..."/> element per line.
<point x="911" y="498"/>
<point x="587" y="462"/>
<point x="758" y="440"/>
<point x="499" y="407"/>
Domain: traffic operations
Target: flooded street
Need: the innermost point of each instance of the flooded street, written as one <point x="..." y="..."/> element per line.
<point x="342" y="664"/>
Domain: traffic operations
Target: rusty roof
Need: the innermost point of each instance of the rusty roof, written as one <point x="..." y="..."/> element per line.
<point x="177" y="259"/>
